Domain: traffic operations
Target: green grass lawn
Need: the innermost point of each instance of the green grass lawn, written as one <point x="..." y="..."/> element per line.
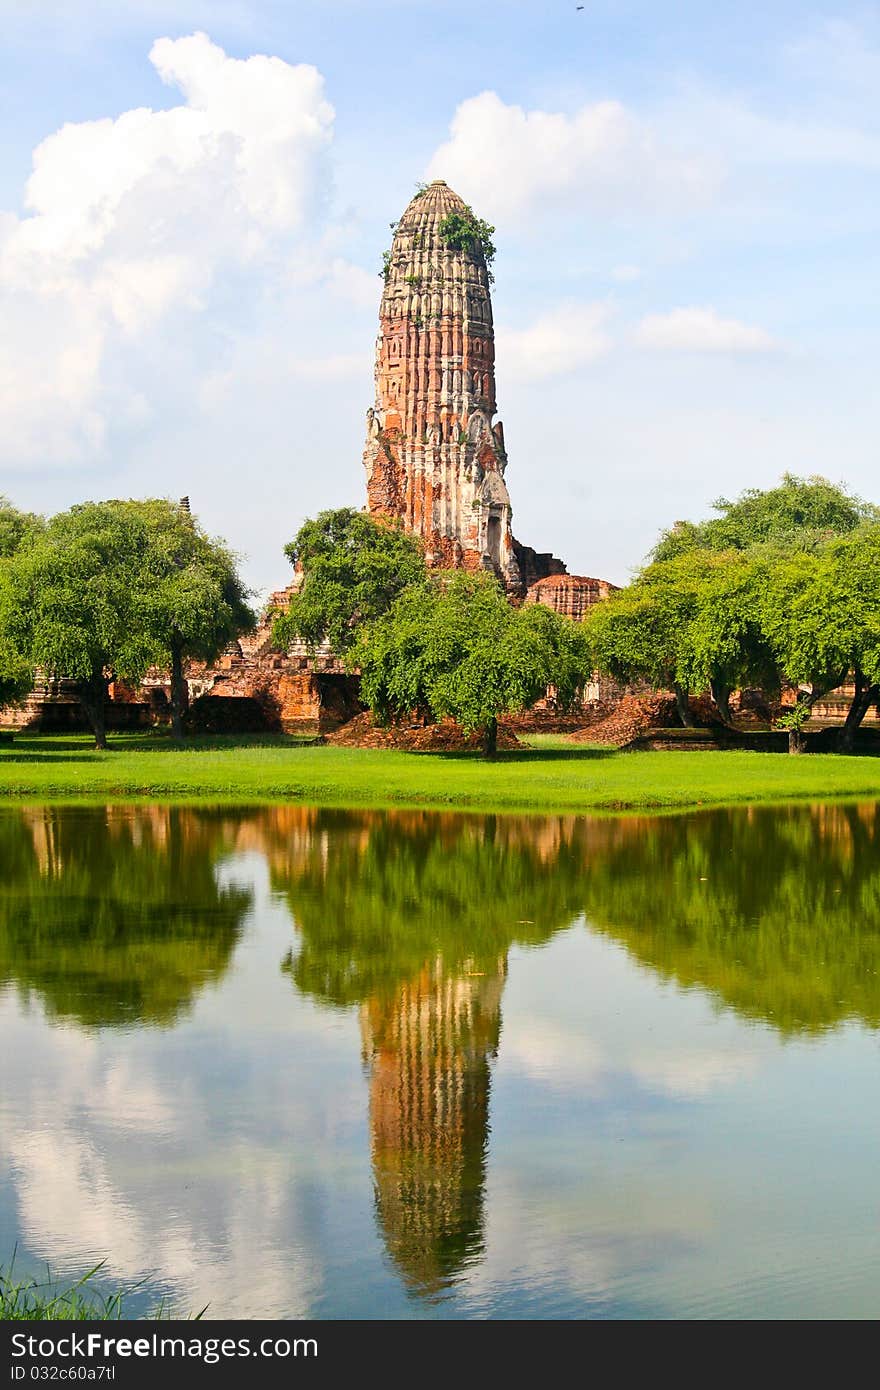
<point x="548" y="775"/>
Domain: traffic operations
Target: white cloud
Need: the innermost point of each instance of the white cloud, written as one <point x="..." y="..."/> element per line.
<point x="336" y="367"/>
<point x="701" y="330"/>
<point x="353" y="283"/>
<point x="563" y="340"/>
<point x="130" y="220"/>
<point x="626" y="274"/>
<point x="601" y="157"/>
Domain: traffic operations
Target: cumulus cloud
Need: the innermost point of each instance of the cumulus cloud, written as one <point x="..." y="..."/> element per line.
<point x="601" y="157"/>
<point x="565" y="339"/>
<point x="128" y="221"/>
<point x="701" y="330"/>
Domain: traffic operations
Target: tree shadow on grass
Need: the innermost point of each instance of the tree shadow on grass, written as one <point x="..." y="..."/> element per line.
<point x="523" y="755"/>
<point x="38" y="759"/>
<point x="54" y="749"/>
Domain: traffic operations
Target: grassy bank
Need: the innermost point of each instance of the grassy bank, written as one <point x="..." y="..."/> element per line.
<point x="49" y="1300"/>
<point x="549" y="774"/>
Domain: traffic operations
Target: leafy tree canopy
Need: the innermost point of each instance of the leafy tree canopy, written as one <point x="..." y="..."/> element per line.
<point x="801" y="511"/>
<point x="191" y="596"/>
<point x="455" y="647"/>
<point x="74" y="591"/>
<point x="16" y="671"/>
<point x="686" y="623"/>
<point x="191" y="601"/>
<point x="114" y="587"/>
<point x="15" y="528"/>
<point x="821" y="615"/>
<point x="353" y="568"/>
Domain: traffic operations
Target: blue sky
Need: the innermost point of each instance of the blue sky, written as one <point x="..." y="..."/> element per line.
<point x="687" y="221"/>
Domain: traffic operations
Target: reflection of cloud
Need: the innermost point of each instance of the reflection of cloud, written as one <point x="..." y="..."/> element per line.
<point x="115" y="1155"/>
<point x="71" y="1201"/>
<point x="559" y="1059"/>
<point x="692" y="1074"/>
<point x="128" y="1100"/>
<point x="580" y="1241"/>
<point x="567" y="1059"/>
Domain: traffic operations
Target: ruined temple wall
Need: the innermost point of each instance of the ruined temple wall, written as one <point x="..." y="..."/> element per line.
<point x="573" y="595"/>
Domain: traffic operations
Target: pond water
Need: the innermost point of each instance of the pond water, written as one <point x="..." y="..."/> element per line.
<point x="296" y="1062"/>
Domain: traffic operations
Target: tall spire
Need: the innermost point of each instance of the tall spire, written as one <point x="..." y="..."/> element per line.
<point x="434" y="458"/>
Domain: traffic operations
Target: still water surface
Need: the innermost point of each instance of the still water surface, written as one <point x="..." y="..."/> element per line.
<point x="298" y="1062"/>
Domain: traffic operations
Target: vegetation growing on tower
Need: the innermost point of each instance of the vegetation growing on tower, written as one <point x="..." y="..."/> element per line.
<point x="464" y="231"/>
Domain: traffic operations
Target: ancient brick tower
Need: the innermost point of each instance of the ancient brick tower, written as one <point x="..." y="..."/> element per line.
<point x="434" y="457"/>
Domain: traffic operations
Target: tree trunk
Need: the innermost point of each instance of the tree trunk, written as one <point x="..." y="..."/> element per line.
<point x="178" y="691"/>
<point x="684" y="709"/>
<point x="795" y="741"/>
<point x="93" y="698"/>
<point x="865" y="695"/>
<point x="490" y="738"/>
<point x="721" y="695"/>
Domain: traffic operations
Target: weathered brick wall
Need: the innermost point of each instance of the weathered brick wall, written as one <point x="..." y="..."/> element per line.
<point x="571" y="594"/>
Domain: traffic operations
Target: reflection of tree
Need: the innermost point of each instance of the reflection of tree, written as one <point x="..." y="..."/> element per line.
<point x="775" y="910"/>
<point x="377" y="895"/>
<point x="411" y="915"/>
<point x="113" y="915"/>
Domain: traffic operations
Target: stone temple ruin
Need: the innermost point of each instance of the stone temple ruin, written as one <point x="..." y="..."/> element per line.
<point x="435" y="460"/>
<point x="435" y="456"/>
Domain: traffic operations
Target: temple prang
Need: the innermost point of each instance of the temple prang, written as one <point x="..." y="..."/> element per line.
<point x="435" y="456"/>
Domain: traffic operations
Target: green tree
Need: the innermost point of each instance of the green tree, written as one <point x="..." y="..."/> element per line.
<point x="727" y="648"/>
<point x="686" y="624"/>
<point x="456" y="647"/>
<point x="854" y="562"/>
<point x="776" y="588"/>
<point x="352" y="568"/>
<point x="16" y="672"/>
<point x="810" y="647"/>
<point x="16" y="528"/>
<point x="636" y="635"/>
<point x="73" y="595"/>
<point x="799" y="512"/>
<point x="821" y="613"/>
<point x="191" y="601"/>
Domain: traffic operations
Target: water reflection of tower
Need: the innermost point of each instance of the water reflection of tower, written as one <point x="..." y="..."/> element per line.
<point x="428" y="1049"/>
